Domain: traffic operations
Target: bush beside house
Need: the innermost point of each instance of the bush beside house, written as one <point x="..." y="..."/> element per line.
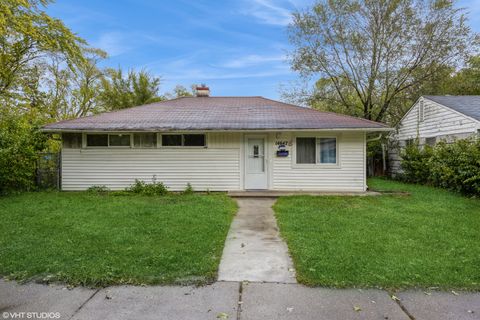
<point x="454" y="166"/>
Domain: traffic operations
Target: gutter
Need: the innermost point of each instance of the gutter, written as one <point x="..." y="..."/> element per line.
<point x="47" y="130"/>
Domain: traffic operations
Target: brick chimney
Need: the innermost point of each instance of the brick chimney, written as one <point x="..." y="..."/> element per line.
<point x="202" y="91"/>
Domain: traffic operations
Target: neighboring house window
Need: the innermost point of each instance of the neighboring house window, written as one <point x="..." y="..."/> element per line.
<point x="72" y="140"/>
<point x="183" y="140"/>
<point x="145" y="140"/>
<point x="311" y="150"/>
<point x="431" y="141"/>
<point x="108" y="140"/>
<point x="421" y="111"/>
<point x="408" y="142"/>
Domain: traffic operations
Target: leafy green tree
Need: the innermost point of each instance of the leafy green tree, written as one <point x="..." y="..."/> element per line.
<point x="72" y="93"/>
<point x="20" y="142"/>
<point x="368" y="53"/>
<point x="180" y="91"/>
<point x="27" y="34"/>
<point x="136" y="88"/>
<point x="466" y="81"/>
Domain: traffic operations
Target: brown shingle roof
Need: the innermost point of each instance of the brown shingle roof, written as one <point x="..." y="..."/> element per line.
<point x="214" y="113"/>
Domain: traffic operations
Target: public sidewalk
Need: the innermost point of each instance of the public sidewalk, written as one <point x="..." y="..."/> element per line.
<point x="233" y="300"/>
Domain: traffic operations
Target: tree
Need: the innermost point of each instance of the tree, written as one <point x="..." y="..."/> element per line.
<point x="72" y="93"/>
<point x="27" y="34"/>
<point x="368" y="53"/>
<point x="180" y="91"/>
<point x="20" y="142"/>
<point x="120" y="92"/>
<point x="466" y="81"/>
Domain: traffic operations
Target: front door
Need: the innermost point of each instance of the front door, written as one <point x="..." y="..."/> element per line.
<point x="255" y="164"/>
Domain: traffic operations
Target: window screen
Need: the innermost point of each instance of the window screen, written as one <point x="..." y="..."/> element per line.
<point x="328" y="150"/>
<point x="194" y="140"/>
<point x="119" y="140"/>
<point x="421" y="111"/>
<point x="72" y="140"/>
<point x="171" y="140"/>
<point x="145" y="140"/>
<point x="306" y="150"/>
<point x="97" y="140"/>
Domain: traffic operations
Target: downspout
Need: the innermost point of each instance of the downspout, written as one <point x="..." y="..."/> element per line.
<point x="375" y="139"/>
<point x="384" y="162"/>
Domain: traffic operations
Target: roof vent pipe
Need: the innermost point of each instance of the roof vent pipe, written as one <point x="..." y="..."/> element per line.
<point x="202" y="91"/>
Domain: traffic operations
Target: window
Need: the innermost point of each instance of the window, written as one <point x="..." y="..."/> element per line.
<point x="328" y="150"/>
<point x="172" y="140"/>
<point x="108" y="140"/>
<point x="306" y="150"/>
<point x="119" y="140"/>
<point x="316" y="150"/>
<point x="431" y="141"/>
<point x="183" y="140"/>
<point x="194" y="140"/>
<point x="408" y="142"/>
<point x="72" y="140"/>
<point x="145" y="140"/>
<point x="97" y="140"/>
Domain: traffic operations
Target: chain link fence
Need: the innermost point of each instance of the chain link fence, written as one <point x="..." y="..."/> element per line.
<point x="48" y="171"/>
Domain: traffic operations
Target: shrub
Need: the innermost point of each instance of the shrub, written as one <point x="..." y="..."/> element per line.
<point x="454" y="166"/>
<point x="415" y="163"/>
<point x="150" y="189"/>
<point x="188" y="189"/>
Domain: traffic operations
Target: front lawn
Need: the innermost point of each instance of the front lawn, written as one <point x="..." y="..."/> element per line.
<point x="428" y="239"/>
<point x="97" y="240"/>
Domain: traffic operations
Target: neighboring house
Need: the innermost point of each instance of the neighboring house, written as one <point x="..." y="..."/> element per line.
<point x="217" y="144"/>
<point x="435" y="118"/>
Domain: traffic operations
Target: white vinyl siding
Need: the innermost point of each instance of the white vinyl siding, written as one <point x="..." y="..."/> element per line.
<point x="348" y="175"/>
<point x="437" y="121"/>
<point x="219" y="167"/>
<point x="216" y="168"/>
<point x="213" y="169"/>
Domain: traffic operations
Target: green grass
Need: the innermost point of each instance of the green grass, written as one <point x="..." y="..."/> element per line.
<point x="430" y="238"/>
<point x="98" y="240"/>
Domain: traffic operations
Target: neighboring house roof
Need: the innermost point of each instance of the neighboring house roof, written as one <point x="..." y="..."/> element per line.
<point x="215" y="113"/>
<point x="467" y="105"/>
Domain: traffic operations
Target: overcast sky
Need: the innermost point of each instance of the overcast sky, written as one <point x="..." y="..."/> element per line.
<point x="236" y="47"/>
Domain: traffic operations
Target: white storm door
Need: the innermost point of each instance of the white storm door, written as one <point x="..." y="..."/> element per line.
<point x="255" y="164"/>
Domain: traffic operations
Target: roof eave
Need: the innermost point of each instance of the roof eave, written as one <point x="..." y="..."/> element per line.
<point x="60" y="130"/>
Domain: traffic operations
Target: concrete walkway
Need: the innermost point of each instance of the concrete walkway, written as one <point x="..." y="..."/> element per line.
<point x="233" y="300"/>
<point x="253" y="249"/>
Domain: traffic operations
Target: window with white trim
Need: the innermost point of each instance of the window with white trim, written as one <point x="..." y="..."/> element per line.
<point x="72" y="140"/>
<point x="109" y="140"/>
<point x="313" y="150"/>
<point x="184" y="140"/>
<point x="145" y="140"/>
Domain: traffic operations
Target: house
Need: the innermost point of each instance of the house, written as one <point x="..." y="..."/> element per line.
<point x="435" y="118"/>
<point x="217" y="144"/>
